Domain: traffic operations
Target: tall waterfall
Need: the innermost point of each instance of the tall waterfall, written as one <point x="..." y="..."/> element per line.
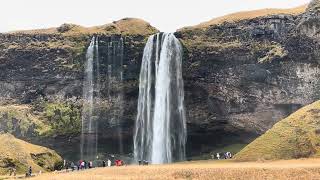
<point x="160" y="130"/>
<point x="114" y="82"/>
<point x="91" y="96"/>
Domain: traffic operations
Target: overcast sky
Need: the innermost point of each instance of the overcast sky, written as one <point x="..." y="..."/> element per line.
<point x="166" y="15"/>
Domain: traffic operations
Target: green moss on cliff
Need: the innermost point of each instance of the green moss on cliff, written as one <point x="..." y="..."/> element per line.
<point x="54" y="118"/>
<point x="276" y="52"/>
<point x="297" y="136"/>
<point x="20" y="120"/>
<point x="64" y="118"/>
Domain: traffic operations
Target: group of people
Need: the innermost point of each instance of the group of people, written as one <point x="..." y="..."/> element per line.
<point x="82" y="164"/>
<point x="143" y="162"/>
<point x="104" y="164"/>
<point x="225" y="155"/>
<point x="29" y="172"/>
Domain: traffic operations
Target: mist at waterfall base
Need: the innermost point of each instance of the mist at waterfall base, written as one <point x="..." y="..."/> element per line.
<point x="160" y="130"/>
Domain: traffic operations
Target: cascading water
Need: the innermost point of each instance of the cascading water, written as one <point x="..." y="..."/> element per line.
<point x="114" y="81"/>
<point x="160" y="131"/>
<point x="91" y="96"/>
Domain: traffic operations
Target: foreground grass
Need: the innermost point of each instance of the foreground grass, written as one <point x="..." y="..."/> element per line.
<point x="288" y="169"/>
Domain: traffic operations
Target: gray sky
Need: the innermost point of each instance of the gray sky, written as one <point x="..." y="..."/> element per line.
<point x="166" y="15"/>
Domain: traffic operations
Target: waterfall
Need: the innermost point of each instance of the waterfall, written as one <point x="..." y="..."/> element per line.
<point x="114" y="82"/>
<point x="160" y="130"/>
<point x="91" y="96"/>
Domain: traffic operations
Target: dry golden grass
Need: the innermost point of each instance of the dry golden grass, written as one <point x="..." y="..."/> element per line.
<point x="235" y="17"/>
<point x="20" y="153"/>
<point x="204" y="170"/>
<point x="124" y="26"/>
<point x="297" y="136"/>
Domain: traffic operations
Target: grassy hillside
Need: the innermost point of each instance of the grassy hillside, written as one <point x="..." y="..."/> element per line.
<point x="126" y="26"/>
<point x="297" y="136"/>
<point x="234" y="17"/>
<point x="18" y="153"/>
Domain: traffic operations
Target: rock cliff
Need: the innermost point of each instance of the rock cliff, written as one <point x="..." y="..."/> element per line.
<point x="244" y="75"/>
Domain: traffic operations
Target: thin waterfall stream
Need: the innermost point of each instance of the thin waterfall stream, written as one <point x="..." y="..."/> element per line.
<point x="91" y="96"/>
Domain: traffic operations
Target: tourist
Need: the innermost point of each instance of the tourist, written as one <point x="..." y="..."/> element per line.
<point x="30" y="171"/>
<point x="66" y="166"/>
<point x="139" y="162"/>
<point x="109" y="163"/>
<point x="230" y="155"/>
<point x="72" y="166"/>
<point x="212" y="156"/>
<point x="12" y="171"/>
<point x="85" y="164"/>
<point x="218" y="156"/>
<point x="103" y="163"/>
<point x="82" y="166"/>
<point x="90" y="164"/>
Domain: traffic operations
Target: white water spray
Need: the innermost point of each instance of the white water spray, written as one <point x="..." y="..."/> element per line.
<point x="160" y="131"/>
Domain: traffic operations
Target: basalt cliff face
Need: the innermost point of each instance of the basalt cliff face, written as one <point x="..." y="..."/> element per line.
<point x="241" y="76"/>
<point x="244" y="75"/>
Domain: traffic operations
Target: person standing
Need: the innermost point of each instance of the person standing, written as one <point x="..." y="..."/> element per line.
<point x="218" y="156"/>
<point x="103" y="163"/>
<point x="109" y="163"/>
<point x="30" y="171"/>
<point x="72" y="166"/>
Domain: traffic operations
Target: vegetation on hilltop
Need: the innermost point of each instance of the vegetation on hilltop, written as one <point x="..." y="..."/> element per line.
<point x="126" y="26"/>
<point x="297" y="136"/>
<point x="235" y="17"/>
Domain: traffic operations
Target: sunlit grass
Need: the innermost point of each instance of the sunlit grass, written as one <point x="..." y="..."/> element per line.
<point x="290" y="169"/>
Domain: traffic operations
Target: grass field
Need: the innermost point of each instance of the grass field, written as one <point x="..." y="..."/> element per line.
<point x="286" y="169"/>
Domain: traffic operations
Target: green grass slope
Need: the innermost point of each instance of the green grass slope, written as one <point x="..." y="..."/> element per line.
<point x="297" y="136"/>
<point x="20" y="154"/>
